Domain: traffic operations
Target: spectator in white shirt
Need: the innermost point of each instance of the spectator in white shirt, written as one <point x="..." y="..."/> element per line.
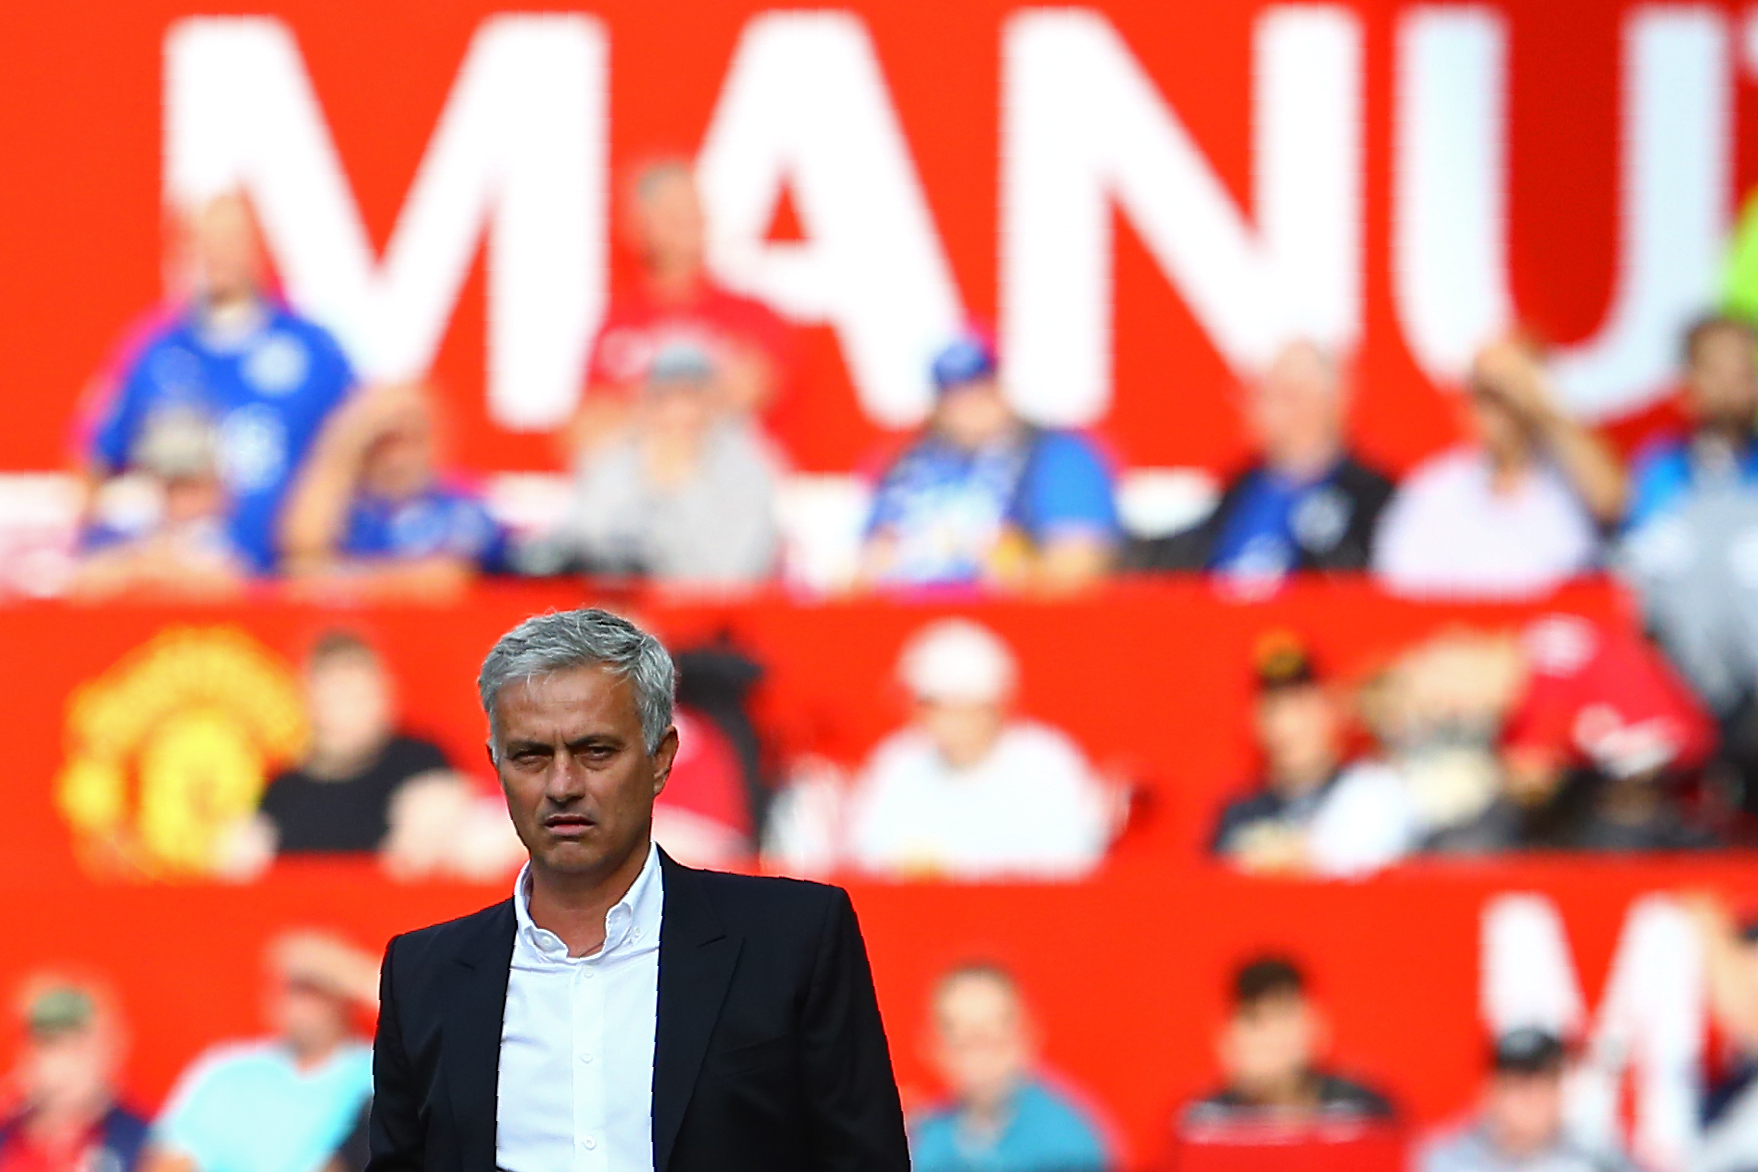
<point x="1517" y="511"/>
<point x="967" y="791"/>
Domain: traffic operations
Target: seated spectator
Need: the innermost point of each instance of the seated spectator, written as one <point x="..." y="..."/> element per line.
<point x="174" y="539"/>
<point x="1305" y="502"/>
<point x="285" y="1103"/>
<point x="1516" y="511"/>
<point x="682" y="492"/>
<point x="1270" y="1053"/>
<point x="1520" y="1126"/>
<point x="344" y="796"/>
<point x="674" y="299"/>
<point x="68" y="1117"/>
<point x="968" y="791"/>
<point x="1003" y="1116"/>
<point x="1315" y="811"/>
<point x="1730" y="1105"/>
<point x="1594" y="732"/>
<point x="265" y="378"/>
<point x="983" y="496"/>
<point x="1721" y="401"/>
<point x="371" y="508"/>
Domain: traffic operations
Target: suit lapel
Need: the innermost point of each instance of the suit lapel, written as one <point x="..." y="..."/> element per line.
<point x="471" y="1035"/>
<point x="696" y="959"/>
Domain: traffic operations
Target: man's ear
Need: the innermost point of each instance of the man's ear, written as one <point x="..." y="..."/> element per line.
<point x="663" y="758"/>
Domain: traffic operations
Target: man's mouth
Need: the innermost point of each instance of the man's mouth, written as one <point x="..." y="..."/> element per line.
<point x="567" y="825"/>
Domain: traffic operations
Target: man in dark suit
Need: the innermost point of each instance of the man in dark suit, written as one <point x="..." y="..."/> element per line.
<point x="622" y="1012"/>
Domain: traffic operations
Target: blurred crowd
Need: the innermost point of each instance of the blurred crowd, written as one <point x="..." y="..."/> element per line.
<point x="233" y="441"/>
<point x="296" y="1098"/>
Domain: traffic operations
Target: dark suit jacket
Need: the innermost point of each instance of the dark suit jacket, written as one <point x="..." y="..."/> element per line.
<point x="769" y="1054"/>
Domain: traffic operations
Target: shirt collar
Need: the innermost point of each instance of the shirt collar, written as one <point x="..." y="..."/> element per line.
<point x="632" y="922"/>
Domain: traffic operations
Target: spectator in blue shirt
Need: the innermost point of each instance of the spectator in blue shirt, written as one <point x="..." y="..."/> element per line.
<point x="1721" y="398"/>
<point x="1003" y="1117"/>
<point x="983" y="496"/>
<point x="371" y="507"/>
<point x="282" y="1104"/>
<point x="1305" y="503"/>
<point x="265" y="377"/>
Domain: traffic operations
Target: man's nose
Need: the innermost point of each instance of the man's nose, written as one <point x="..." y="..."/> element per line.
<point x="566" y="780"/>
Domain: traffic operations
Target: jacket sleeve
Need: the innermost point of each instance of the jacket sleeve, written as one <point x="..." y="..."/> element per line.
<point x="854" y="1118"/>
<point x="396" y="1138"/>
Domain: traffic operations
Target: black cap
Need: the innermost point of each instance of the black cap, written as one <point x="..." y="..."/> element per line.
<point x="1281" y="660"/>
<point x="58" y="1010"/>
<point x="1529" y="1050"/>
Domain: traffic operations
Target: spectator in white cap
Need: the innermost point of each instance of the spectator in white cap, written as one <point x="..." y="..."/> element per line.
<point x="967" y="790"/>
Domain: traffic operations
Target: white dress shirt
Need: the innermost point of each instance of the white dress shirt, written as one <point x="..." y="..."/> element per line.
<point x="576" y="1072"/>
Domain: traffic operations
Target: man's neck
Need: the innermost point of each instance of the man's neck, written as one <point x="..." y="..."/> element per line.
<point x="1294" y="785"/>
<point x="308" y="1058"/>
<point x="1303" y="465"/>
<point x="61" y="1128"/>
<point x="573" y="906"/>
<point x="1299" y="1092"/>
<point x="677" y="284"/>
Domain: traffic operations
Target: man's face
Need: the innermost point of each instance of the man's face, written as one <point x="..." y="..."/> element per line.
<point x="1721" y="388"/>
<point x="227" y="254"/>
<point x="1497" y="426"/>
<point x="667" y="219"/>
<point x="400" y="463"/>
<point x="69" y="1070"/>
<point x="348" y="698"/>
<point x="982" y="1045"/>
<point x="1299" y="730"/>
<point x="963" y="731"/>
<point x="1524" y="1112"/>
<point x="681" y="408"/>
<point x="1269" y="1044"/>
<point x="973" y="414"/>
<point x="1296" y="411"/>
<point x="578" y="778"/>
<point x="308" y="1019"/>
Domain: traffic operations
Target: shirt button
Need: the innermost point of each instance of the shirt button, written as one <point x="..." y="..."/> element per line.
<point x="585" y="1058"/>
<point x="588" y="1143"/>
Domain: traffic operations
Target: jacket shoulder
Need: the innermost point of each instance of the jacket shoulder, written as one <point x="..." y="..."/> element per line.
<point x="454" y="937"/>
<point x="764" y="900"/>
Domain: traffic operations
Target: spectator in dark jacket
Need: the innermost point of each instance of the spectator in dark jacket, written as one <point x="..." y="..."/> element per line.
<point x="1270" y="1049"/>
<point x="1306" y="502"/>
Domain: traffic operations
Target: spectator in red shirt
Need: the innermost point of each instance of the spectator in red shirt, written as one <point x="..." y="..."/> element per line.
<point x="673" y="299"/>
<point x="1595" y="729"/>
<point x="67" y="1118"/>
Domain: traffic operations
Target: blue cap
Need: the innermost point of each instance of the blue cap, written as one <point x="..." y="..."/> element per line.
<point x="968" y="358"/>
<point x="680" y="361"/>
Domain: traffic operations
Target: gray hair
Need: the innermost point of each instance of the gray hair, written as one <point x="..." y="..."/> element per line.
<point x="588" y="637"/>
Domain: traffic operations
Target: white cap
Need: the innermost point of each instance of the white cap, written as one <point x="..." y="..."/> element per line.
<point x="958" y="661"/>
